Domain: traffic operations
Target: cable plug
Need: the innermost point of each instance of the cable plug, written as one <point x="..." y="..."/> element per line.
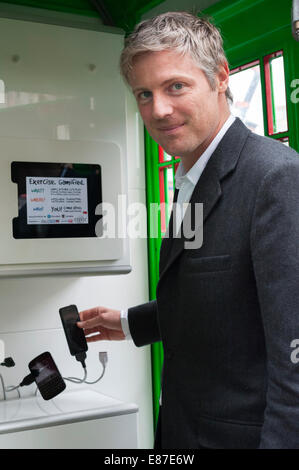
<point x="103" y="358"/>
<point x="81" y="358"/>
<point x="28" y="380"/>
<point x="8" y="362"/>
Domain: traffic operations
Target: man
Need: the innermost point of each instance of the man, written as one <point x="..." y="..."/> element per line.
<point x="227" y="311"/>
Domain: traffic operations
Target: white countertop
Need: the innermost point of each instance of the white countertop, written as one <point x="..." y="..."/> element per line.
<point x="68" y="407"/>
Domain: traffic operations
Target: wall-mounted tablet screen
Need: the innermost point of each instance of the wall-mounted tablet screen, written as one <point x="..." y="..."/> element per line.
<point x="56" y="200"/>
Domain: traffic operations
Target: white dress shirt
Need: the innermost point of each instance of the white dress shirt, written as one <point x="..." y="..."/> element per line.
<point x="185" y="183"/>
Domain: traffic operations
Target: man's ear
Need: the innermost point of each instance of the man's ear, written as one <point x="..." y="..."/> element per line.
<point x="223" y="77"/>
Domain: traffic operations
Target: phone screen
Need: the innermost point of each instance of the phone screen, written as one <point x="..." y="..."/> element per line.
<point x="46" y="375"/>
<point x="74" y="335"/>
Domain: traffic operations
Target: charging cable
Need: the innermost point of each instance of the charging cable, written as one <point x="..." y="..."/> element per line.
<point x="29" y="379"/>
<point x="76" y="380"/>
<point x="3" y="387"/>
<point x="11" y="388"/>
<point x="8" y="362"/>
<point x="80" y="358"/>
<point x="103" y="358"/>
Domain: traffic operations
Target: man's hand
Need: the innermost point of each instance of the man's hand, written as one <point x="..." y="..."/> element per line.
<point x="101" y="322"/>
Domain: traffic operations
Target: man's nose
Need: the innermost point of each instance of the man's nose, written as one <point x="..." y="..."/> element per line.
<point x="162" y="107"/>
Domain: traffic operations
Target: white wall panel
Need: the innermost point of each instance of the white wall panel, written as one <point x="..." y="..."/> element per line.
<point x="65" y="102"/>
<point x="54" y="96"/>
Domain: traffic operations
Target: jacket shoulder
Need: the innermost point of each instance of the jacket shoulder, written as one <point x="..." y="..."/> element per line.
<point x="262" y="154"/>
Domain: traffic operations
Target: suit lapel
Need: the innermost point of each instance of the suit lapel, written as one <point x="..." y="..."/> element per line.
<point x="207" y="190"/>
<point x="167" y="241"/>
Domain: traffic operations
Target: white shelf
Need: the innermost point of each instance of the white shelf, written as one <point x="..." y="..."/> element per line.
<point x="69" y="407"/>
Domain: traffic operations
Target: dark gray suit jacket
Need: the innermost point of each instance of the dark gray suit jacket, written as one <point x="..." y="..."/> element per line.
<point x="228" y="311"/>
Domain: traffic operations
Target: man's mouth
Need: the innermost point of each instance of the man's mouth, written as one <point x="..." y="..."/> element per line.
<point x="170" y="129"/>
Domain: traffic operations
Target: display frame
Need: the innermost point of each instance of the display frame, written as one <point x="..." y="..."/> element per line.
<point x="21" y="170"/>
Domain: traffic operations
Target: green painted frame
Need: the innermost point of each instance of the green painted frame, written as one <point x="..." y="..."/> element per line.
<point x="124" y="13"/>
<point x="270" y="30"/>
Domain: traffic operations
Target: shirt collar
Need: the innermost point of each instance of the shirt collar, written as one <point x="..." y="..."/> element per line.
<point x="195" y="171"/>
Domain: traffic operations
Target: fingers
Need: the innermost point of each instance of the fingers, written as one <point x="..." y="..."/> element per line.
<point x="100" y="335"/>
<point x="93" y="338"/>
<point x="99" y="317"/>
<point x="106" y="335"/>
<point x="90" y="331"/>
<point x="88" y="324"/>
<point x="106" y="323"/>
<point x="91" y="313"/>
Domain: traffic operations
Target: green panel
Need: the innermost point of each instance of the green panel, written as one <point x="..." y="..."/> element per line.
<point x="259" y="17"/>
<point x="127" y="13"/>
<point x="81" y="7"/>
<point x="246" y="19"/>
<point x="153" y="196"/>
<point x="124" y="13"/>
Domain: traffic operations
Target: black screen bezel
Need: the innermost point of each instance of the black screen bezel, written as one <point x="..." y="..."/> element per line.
<point x="92" y="172"/>
<point x="69" y="331"/>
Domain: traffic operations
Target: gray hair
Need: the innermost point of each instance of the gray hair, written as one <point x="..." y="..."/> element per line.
<point x="183" y="32"/>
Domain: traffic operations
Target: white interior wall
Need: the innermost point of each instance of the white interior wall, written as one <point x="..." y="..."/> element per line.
<point x="29" y="320"/>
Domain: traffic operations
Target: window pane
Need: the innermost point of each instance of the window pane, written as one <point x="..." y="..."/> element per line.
<point x="166" y="157"/>
<point x="280" y="123"/>
<point x="163" y="156"/>
<point x="285" y="141"/>
<point x="246" y="89"/>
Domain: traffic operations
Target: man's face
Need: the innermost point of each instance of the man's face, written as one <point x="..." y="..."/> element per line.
<point x="179" y="109"/>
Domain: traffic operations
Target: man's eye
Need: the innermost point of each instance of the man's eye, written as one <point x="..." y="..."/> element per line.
<point x="144" y="95"/>
<point x="177" y="86"/>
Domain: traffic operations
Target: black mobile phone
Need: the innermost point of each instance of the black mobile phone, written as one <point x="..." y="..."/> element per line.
<point x="75" y="336"/>
<point x="46" y="375"/>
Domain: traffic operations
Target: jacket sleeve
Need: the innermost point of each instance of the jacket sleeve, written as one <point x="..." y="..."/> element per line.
<point x="143" y="323"/>
<point x="275" y="256"/>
